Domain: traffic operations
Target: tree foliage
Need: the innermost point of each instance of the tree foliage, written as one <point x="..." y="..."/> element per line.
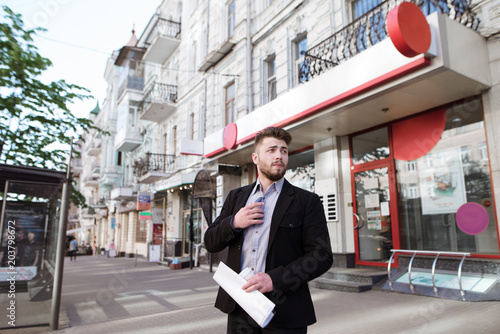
<point x="36" y="124"/>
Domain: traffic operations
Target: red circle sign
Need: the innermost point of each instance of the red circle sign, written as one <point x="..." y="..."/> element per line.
<point x="230" y="136"/>
<point x="408" y="29"/>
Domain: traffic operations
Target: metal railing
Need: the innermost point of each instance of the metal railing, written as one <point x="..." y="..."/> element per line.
<point x="461" y="255"/>
<point x="370" y="29"/>
<point x="159" y="93"/>
<point x="168" y="28"/>
<point x="154" y="163"/>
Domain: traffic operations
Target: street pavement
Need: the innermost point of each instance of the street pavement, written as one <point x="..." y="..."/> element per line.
<point x="124" y="295"/>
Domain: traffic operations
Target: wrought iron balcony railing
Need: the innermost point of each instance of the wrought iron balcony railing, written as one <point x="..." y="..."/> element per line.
<point x="168" y="28"/>
<point x="159" y="93"/>
<point x="370" y="29"/>
<point x="152" y="162"/>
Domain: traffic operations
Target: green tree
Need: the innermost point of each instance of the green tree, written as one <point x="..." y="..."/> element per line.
<point x="36" y="124"/>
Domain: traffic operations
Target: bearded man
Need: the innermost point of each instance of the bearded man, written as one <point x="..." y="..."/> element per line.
<point x="277" y="230"/>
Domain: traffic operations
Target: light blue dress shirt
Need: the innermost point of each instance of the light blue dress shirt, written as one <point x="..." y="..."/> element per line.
<point x="256" y="237"/>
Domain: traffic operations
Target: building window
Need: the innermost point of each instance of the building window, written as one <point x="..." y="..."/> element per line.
<point x="174" y="140"/>
<point x="141" y="231"/>
<point x="270" y="66"/>
<point x="231" y="19"/>
<point x="194" y="61"/>
<point x="300" y="65"/>
<point x="375" y="31"/>
<point x="464" y="153"/>
<point x="413" y="191"/>
<point x="191" y="126"/>
<point x="165" y="143"/>
<point x="301" y="170"/>
<point x="411" y="166"/>
<point x="119" y="160"/>
<point x="483" y="152"/>
<point x="229" y="103"/>
<point x="197" y="220"/>
<point x="449" y="176"/>
<point x="132" y="116"/>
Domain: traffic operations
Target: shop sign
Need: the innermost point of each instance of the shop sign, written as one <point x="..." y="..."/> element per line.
<point x="145" y="215"/>
<point x="143" y="201"/>
<point x="157" y="233"/>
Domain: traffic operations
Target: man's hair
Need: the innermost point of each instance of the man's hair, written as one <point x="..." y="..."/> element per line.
<point x="273" y="132"/>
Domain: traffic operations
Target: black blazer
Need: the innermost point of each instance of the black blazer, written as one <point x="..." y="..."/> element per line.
<point x="299" y="250"/>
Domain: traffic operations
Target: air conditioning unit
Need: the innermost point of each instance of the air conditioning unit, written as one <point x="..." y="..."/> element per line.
<point x="327" y="191"/>
<point x="142" y="130"/>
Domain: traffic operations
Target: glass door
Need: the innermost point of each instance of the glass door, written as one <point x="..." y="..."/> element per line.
<point x="372" y="211"/>
<point x="374" y="197"/>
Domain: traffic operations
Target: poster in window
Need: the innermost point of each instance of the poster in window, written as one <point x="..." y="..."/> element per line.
<point x="441" y="182"/>
<point x="157" y="234"/>
<point x="24" y="224"/>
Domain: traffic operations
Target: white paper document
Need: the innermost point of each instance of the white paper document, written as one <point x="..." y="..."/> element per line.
<point x="258" y="306"/>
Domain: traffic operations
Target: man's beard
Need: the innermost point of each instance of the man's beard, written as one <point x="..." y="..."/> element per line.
<point x="276" y="176"/>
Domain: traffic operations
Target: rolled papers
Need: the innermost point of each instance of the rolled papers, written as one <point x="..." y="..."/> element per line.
<point x="258" y="306"/>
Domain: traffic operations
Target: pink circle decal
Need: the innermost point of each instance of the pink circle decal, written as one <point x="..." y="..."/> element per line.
<point x="472" y="218"/>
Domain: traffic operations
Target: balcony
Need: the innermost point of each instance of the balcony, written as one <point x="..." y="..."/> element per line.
<point x="122" y="194"/>
<point x="158" y="103"/>
<point x="128" y="138"/>
<point x="93" y="147"/>
<point x="131" y="77"/>
<point x="162" y="40"/>
<point x="371" y="29"/>
<point x="96" y="169"/>
<point x="214" y="56"/>
<point x="91" y="181"/>
<point x="76" y="167"/>
<point x="88" y="213"/>
<point x="110" y="175"/>
<point x="154" y="167"/>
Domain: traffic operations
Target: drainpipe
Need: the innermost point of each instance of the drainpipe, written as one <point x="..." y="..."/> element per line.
<point x="249" y="58"/>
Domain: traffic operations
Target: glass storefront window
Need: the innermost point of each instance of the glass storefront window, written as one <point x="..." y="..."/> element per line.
<point x="197" y="221"/>
<point x="301" y="171"/>
<point x="434" y="186"/>
<point x="370" y="146"/>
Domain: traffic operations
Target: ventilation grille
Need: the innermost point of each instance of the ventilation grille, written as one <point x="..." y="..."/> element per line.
<point x="327" y="192"/>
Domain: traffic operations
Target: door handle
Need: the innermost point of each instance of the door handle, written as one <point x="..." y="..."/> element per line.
<point x="359" y="224"/>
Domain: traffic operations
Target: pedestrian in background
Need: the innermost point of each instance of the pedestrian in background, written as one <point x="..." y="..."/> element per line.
<point x="73" y="248"/>
<point x="277" y="230"/>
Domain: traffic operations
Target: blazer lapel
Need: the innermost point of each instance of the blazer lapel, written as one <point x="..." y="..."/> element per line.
<point x="284" y="201"/>
<point x="242" y="197"/>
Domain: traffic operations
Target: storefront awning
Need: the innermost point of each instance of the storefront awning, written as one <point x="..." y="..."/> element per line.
<point x="177" y="180"/>
<point x="80" y="229"/>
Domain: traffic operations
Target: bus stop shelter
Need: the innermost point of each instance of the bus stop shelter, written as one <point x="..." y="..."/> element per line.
<point x="33" y="220"/>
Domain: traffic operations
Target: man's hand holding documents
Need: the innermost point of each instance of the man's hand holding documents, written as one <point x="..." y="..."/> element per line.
<point x="258" y="306"/>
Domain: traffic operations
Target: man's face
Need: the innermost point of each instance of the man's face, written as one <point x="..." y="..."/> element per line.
<point x="271" y="158"/>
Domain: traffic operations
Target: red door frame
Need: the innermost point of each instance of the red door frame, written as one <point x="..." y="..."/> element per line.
<point x="393" y="202"/>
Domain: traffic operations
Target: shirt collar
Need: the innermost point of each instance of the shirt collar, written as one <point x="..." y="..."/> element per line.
<point x="278" y="186"/>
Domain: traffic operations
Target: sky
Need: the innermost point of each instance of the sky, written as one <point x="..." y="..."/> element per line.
<point x="81" y="35"/>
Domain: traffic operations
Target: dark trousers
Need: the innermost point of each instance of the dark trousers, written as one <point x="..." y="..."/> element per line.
<point x="72" y="254"/>
<point x="239" y="322"/>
